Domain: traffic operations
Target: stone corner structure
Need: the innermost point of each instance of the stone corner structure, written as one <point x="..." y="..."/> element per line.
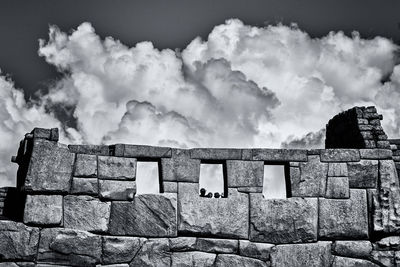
<point x="77" y="205"/>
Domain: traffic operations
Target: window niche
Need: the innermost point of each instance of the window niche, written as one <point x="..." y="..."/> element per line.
<point x="148" y="177"/>
<point x="212" y="181"/>
<point x="276" y="183"/>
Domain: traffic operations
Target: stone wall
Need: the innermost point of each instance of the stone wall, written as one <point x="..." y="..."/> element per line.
<point x="80" y="208"/>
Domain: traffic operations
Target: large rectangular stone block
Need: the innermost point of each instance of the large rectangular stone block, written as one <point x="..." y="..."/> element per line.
<point x="117" y="190"/>
<point x="85" y="186"/>
<point x="280" y="221"/>
<point x="180" y="167"/>
<point x="212" y="216"/>
<point x="193" y="258"/>
<point x="245" y="173"/>
<point x="148" y="215"/>
<point x="281" y="155"/>
<point x="140" y="151"/>
<point x="344" y="218"/>
<point x="256" y="250"/>
<point x="363" y="174"/>
<point x="376" y="153"/>
<point x="85" y="165"/>
<point x="117" y="168"/>
<point x="43" y="209"/>
<point x="215" y="153"/>
<point x="340" y="155"/>
<point x="50" y="167"/>
<point x="118" y="249"/>
<point x="90" y="149"/>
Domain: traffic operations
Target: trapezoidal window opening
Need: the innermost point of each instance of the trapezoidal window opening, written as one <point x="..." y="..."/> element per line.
<point x="212" y="181"/>
<point x="276" y="183"/>
<point x="148" y="177"/>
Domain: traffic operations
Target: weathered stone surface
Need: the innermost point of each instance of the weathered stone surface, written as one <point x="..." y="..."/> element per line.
<point x="170" y="187"/>
<point x="259" y="251"/>
<point x="117" y="190"/>
<point x="86" y="213"/>
<point x="385" y="258"/>
<point x="89" y="149"/>
<point x="180" y="244"/>
<point x="337" y="187"/>
<point x="247" y="154"/>
<point x="350" y="262"/>
<point x="376" y="153"/>
<point x="112" y="265"/>
<point x="340" y="155"/>
<point x="85" y="186"/>
<point x="245" y="173"/>
<point x="312" y="179"/>
<point x="235" y="260"/>
<point x="213" y="216"/>
<point x="181" y="167"/>
<point x="363" y="174"/>
<point x="217" y="245"/>
<point x="353" y="249"/>
<point x="299" y="255"/>
<point x="272" y="220"/>
<point x="117" y="168"/>
<point x="215" y="153"/>
<point x="344" y="218"/>
<point x="43" y="209"/>
<point x="140" y="151"/>
<point x="154" y="252"/>
<point x="280" y="154"/>
<point x="253" y="189"/>
<point x="56" y="174"/>
<point x="195" y="258"/>
<point x="70" y="247"/>
<point x="41" y="133"/>
<point x="17" y="241"/>
<point x="121" y="249"/>
<point x="337" y="169"/>
<point x="148" y="215"/>
<point x="391" y="242"/>
<point x="85" y="165"/>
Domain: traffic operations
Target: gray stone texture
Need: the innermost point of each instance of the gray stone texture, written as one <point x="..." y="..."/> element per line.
<point x="154" y="253"/>
<point x="376" y="153"/>
<point x="117" y="168"/>
<point x="217" y="245"/>
<point x="85" y="165"/>
<point x="117" y="190"/>
<point x="340" y="155"/>
<point x="312" y="179"/>
<point x="344" y="218"/>
<point x="337" y="187"/>
<point x="189" y="259"/>
<point x="183" y="243"/>
<point x="300" y="255"/>
<point x="17" y="241"/>
<point x="255" y="250"/>
<point x="277" y="221"/>
<point x="384" y="258"/>
<point x="55" y="174"/>
<point x="212" y="216"/>
<point x="121" y="249"/>
<point x="86" y="213"/>
<point x="281" y="155"/>
<point x="85" y="186"/>
<point x="170" y="187"/>
<point x="180" y="167"/>
<point x="224" y="260"/>
<point x="337" y="169"/>
<point x="244" y="173"/>
<point x="363" y="174"/>
<point x="350" y="262"/>
<point x="89" y="149"/>
<point x="389" y="243"/>
<point x="353" y="249"/>
<point x="254" y="189"/>
<point x="215" y="153"/>
<point x="148" y="215"/>
<point x="43" y="209"/>
<point x="140" y="151"/>
<point x="69" y="247"/>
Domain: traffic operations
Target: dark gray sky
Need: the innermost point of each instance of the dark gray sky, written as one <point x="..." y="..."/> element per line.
<point x="172" y="24"/>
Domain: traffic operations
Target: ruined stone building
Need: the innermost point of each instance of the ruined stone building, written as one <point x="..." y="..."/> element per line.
<point x="76" y="205"/>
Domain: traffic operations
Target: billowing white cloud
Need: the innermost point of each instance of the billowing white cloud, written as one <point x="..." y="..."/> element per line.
<point x="242" y="87"/>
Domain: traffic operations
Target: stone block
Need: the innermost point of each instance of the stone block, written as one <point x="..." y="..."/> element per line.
<point x="344" y="218"/>
<point x="41" y="133"/>
<point x="337" y="169"/>
<point x="180" y="167"/>
<point x="43" y="209"/>
<point x="247" y="154"/>
<point x="280" y="155"/>
<point x="253" y="189"/>
<point x="353" y="249"/>
<point x="154" y="253"/>
<point x="389" y="243"/>
<point x="170" y="187"/>
<point x="140" y="151"/>
<point x="17" y="241"/>
<point x="312" y="179"/>
<point x="69" y="247"/>
<point x="86" y="213"/>
<point x="56" y="174"/>
<point x="121" y="249"/>
<point x="255" y="250"/>
<point x="300" y="255"/>
<point x="195" y="258"/>
<point x="217" y="245"/>
<point x="340" y="155"/>
<point x="117" y="190"/>
<point x="223" y="260"/>
<point x="383" y="144"/>
<point x="385" y="258"/>
<point x="271" y="220"/>
<point x="85" y="186"/>
<point x="90" y="149"/>
<point x="180" y="244"/>
<point x="148" y="215"/>
<point x="215" y="153"/>
<point x="346" y="262"/>
<point x="294" y="164"/>
<point x="244" y="173"/>
<point x="85" y="165"/>
<point x="363" y="174"/>
<point x="212" y="216"/>
<point x="337" y="187"/>
<point x="117" y="168"/>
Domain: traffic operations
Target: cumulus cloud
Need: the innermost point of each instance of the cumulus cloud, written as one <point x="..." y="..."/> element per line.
<point x="243" y="86"/>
